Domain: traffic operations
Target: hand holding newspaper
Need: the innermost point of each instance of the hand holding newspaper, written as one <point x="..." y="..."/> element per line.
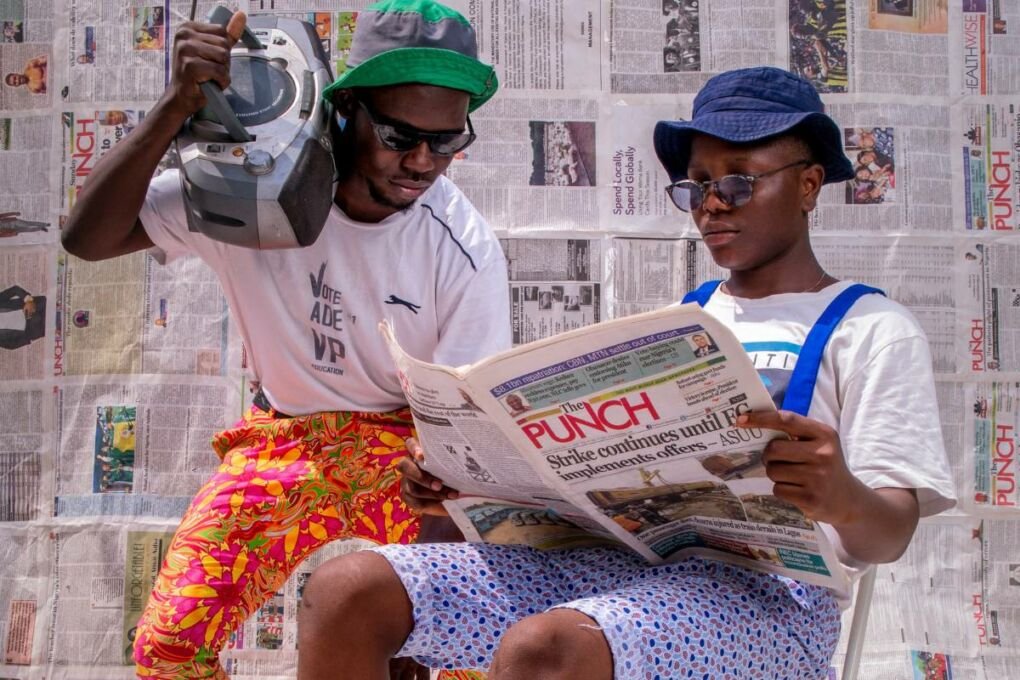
<point x="623" y="432"/>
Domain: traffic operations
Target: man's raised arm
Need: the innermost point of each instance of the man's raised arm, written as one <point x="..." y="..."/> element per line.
<point x="104" y="220"/>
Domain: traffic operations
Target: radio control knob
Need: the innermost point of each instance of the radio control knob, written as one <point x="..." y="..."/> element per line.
<point x="258" y="162"/>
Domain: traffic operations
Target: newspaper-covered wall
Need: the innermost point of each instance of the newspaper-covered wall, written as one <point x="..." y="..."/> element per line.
<point x="125" y="368"/>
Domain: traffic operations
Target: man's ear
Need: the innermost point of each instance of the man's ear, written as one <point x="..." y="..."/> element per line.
<point x="811" y="180"/>
<point x="345" y="103"/>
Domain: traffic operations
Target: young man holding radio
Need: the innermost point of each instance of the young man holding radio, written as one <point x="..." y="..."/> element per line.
<point x="314" y="459"/>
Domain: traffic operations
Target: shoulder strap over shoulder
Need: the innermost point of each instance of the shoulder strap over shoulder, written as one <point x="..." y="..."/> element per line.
<point x="805" y="373"/>
<point x="702" y="293"/>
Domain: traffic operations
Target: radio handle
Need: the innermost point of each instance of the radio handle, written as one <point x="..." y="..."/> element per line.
<point x="215" y="99"/>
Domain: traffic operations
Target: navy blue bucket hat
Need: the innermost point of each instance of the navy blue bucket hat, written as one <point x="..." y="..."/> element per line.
<point x="750" y="105"/>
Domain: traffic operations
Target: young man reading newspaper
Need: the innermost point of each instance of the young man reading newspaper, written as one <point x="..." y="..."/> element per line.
<point x="313" y="460"/>
<point x="866" y="461"/>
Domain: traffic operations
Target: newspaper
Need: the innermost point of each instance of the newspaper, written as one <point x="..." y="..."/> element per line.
<point x="24" y="594"/>
<point x="624" y="433"/>
<point x="87" y="136"/>
<point x="25" y="143"/>
<point x="983" y="47"/>
<point x="987" y="162"/>
<point x="137" y="448"/>
<point x="114" y="52"/>
<point x="527" y="41"/>
<point x="988" y="309"/>
<point x="633" y="199"/>
<point x="556" y="285"/>
<point x="131" y="315"/>
<point x="25" y="450"/>
<point x="648" y="273"/>
<point x="534" y="162"/>
<point x="26" y="52"/>
<point x="993" y="415"/>
<point x="916" y="271"/>
<point x="900" y="155"/>
<point x="26" y="301"/>
<point x="675" y="45"/>
<point x="917" y="599"/>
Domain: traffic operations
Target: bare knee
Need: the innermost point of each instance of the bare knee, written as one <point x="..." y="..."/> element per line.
<point x="357" y="592"/>
<point x="555" y="645"/>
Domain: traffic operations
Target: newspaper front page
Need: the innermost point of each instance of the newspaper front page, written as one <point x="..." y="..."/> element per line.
<point x="629" y="426"/>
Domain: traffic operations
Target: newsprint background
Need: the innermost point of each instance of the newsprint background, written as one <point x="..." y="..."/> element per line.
<point x="125" y="369"/>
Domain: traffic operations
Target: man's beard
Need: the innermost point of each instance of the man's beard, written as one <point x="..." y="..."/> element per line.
<point x="380" y="197"/>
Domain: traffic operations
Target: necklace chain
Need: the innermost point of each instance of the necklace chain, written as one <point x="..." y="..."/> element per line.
<point x="815" y="284"/>
<point x="809" y="289"/>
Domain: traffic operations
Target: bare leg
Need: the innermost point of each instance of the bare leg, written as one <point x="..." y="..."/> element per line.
<point x="558" y="645"/>
<point x="354" y="616"/>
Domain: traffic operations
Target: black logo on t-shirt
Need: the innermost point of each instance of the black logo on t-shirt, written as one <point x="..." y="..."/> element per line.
<point x="394" y="300"/>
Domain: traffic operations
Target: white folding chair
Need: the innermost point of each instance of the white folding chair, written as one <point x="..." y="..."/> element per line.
<point x="859" y="624"/>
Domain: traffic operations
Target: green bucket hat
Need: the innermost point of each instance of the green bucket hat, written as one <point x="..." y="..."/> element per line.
<point x="416" y="41"/>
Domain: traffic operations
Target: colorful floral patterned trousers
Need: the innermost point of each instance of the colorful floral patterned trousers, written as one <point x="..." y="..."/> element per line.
<point x="285" y="487"/>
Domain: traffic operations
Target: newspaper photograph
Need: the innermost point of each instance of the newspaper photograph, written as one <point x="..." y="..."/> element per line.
<point x="25" y="66"/>
<point x="556" y="285"/>
<point x="629" y="425"/>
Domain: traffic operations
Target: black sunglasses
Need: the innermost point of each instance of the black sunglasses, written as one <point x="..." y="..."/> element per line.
<point x="732" y="190"/>
<point x="402" y="139"/>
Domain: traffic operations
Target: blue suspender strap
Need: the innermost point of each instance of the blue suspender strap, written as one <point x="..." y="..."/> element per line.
<point x="805" y="373"/>
<point x="702" y="293"/>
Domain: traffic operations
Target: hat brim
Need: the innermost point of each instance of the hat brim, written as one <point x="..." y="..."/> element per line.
<point x="428" y="65"/>
<point x="673" y="138"/>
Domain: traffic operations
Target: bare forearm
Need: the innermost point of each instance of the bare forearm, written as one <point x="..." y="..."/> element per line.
<point x="103" y="222"/>
<point x="435" y="529"/>
<point x="881" y="524"/>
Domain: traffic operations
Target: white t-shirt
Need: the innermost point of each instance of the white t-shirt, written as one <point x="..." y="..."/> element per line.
<point x="309" y="316"/>
<point x="875" y="387"/>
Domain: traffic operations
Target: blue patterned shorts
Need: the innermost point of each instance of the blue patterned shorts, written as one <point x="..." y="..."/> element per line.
<point x="693" y="619"/>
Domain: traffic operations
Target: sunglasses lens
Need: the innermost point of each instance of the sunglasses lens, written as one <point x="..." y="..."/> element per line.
<point x="686" y="195"/>
<point x="447" y="145"/>
<point x="734" y="190"/>
<point x="395" y="139"/>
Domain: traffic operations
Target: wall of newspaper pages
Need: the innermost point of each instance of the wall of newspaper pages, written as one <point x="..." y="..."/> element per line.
<point x="108" y="406"/>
